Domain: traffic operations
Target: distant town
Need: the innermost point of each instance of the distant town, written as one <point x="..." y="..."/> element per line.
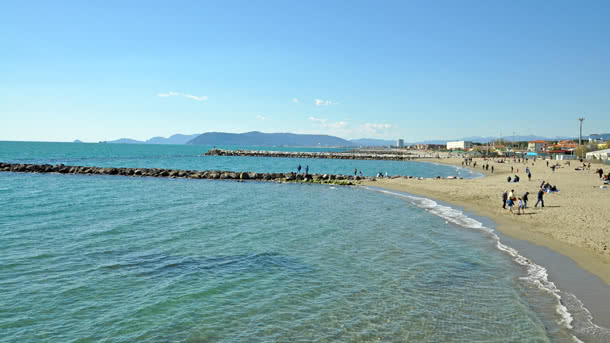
<point x="595" y="147"/>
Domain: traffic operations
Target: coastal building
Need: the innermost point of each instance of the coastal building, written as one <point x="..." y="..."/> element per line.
<point x="599" y="155"/>
<point x="536" y="146"/>
<point x="459" y="145"/>
<point x="429" y="146"/>
<point x="601" y="137"/>
<point x="400" y="143"/>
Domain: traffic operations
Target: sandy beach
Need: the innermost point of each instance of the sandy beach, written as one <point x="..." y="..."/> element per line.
<point x="574" y="222"/>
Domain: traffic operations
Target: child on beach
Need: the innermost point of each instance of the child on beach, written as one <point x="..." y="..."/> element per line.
<point x="510" y="204"/>
<point x="520" y="206"/>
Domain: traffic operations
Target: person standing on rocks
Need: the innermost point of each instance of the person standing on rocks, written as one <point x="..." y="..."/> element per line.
<point x="355" y="171"/>
<point x="299" y="169"/>
<point x="306" y="169"/>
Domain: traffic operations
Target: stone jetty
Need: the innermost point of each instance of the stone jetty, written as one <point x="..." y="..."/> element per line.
<point x="349" y="155"/>
<point x="186" y="174"/>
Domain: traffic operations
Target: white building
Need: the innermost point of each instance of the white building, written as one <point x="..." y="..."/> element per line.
<point x="459" y="145"/>
<point x="400" y="143"/>
<point x="536" y="146"/>
<point x="599" y="155"/>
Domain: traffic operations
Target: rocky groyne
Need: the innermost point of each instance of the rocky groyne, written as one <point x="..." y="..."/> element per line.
<point x="186" y="174"/>
<point x="351" y="155"/>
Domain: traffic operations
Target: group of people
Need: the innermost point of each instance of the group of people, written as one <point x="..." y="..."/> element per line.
<point x="602" y="177"/>
<point x="510" y="200"/>
<point x="306" y="169"/>
<point x="548" y="188"/>
<point x="516" y="178"/>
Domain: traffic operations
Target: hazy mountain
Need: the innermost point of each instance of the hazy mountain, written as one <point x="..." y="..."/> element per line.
<point x="268" y="139"/>
<point x="124" y="141"/>
<point x="372" y="142"/>
<point x="479" y="139"/>
<point x="77" y="141"/>
<point x="174" y="139"/>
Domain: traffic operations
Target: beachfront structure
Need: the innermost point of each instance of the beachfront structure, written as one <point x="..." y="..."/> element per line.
<point x="536" y="146"/>
<point x="459" y="145"/>
<point x="599" y="155"/>
<point x="400" y="143"/>
<point x="428" y="146"/>
<point x="602" y="137"/>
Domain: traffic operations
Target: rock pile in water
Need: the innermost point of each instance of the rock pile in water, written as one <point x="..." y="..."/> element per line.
<point x="190" y="174"/>
<point x="352" y="155"/>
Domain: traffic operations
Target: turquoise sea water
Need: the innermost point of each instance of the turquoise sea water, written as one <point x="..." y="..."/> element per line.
<point x="90" y="258"/>
<point x="189" y="157"/>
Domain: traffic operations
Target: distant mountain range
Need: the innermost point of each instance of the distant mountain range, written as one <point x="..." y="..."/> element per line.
<point x="480" y="139"/>
<point x="174" y="139"/>
<point x="292" y="139"/>
<point x="268" y="139"/>
<point x="372" y="142"/>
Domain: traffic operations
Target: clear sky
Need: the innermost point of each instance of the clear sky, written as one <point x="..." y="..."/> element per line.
<point x="101" y="70"/>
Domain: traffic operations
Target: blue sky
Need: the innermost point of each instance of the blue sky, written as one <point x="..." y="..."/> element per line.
<point x="100" y="70"/>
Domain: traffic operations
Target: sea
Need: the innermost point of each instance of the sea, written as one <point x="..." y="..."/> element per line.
<point x="100" y="258"/>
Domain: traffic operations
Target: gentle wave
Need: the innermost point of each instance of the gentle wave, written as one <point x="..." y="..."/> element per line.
<point x="536" y="274"/>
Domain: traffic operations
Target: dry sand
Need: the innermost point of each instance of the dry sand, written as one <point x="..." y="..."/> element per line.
<point x="574" y="222"/>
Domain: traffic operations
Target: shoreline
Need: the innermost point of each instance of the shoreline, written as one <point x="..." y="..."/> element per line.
<point x="596" y="264"/>
<point x="575" y="270"/>
<point x="553" y="271"/>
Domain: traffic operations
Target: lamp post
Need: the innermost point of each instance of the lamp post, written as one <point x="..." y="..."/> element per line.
<point x="580" y="136"/>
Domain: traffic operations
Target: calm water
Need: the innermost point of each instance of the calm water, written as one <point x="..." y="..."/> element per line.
<point x="88" y="258"/>
<point x="189" y="157"/>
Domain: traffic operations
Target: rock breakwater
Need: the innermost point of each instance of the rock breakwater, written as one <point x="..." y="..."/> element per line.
<point x="187" y="174"/>
<point x="351" y="155"/>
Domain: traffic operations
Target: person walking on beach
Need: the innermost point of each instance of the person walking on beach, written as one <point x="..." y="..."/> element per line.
<point x="492" y="169"/>
<point x="510" y="204"/>
<point x="520" y="206"/>
<point x="525" y="199"/>
<point x="540" y="198"/>
<point x="511" y="169"/>
<point x="529" y="176"/>
<point x="299" y="169"/>
<point x="511" y="195"/>
<point x="504" y="198"/>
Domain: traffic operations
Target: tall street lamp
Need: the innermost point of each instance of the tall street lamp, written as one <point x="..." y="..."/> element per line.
<point x="580" y="136"/>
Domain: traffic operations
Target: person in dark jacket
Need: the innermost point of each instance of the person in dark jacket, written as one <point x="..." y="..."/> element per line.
<point x="540" y="198"/>
<point x="504" y="198"/>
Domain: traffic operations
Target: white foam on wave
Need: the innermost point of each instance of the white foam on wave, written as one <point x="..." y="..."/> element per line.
<point x="536" y="274"/>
